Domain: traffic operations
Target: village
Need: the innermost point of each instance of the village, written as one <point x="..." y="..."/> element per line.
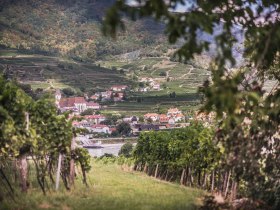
<point x="86" y="114"/>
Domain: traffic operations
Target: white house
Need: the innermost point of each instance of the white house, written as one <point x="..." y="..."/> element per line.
<point x="57" y="96"/>
<point x="144" y="89"/>
<point x="106" y="95"/>
<point x="95" y="119"/>
<point x="100" y="129"/>
<point x="76" y="104"/>
<point x="119" y="87"/>
<point x="156" y="86"/>
<point x="85" y="124"/>
<point x="171" y="121"/>
<point x="179" y="117"/>
<point x="153" y="116"/>
<point x="92" y="105"/>
<point x="173" y="111"/>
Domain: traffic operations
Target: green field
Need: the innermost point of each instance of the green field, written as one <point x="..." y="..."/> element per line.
<point x="186" y="102"/>
<point x="110" y="187"/>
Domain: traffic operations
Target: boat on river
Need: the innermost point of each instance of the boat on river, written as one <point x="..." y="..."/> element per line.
<point x="88" y="143"/>
<point x="96" y="145"/>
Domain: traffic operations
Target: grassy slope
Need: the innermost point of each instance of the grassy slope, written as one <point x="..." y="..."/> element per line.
<point x="113" y="188"/>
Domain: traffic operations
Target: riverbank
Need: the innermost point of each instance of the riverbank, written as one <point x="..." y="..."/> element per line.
<point x="110" y="187"/>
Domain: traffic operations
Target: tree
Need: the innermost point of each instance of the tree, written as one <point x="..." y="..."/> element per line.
<point x="29" y="91"/>
<point x="248" y="118"/>
<point x="163" y="74"/>
<point x="139" y="100"/>
<point x="68" y="92"/>
<point x="124" y="128"/>
<point x="98" y="112"/>
<point x="126" y="150"/>
<point x="91" y="92"/>
<point x="82" y="89"/>
<point x="115" y="133"/>
<point x="141" y="84"/>
<point x="110" y="119"/>
<point x="141" y="119"/>
<point x="172" y="95"/>
<point x="87" y="112"/>
<point x="149" y="120"/>
<point x="121" y="71"/>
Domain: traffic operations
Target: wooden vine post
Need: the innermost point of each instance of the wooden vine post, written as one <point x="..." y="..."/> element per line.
<point x="23" y="166"/>
<point x="58" y="171"/>
<point x="72" y="164"/>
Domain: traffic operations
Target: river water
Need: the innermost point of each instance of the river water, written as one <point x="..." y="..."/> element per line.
<point x="106" y="148"/>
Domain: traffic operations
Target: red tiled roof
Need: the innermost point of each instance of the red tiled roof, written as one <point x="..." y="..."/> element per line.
<point x="94" y="97"/>
<point x="75" y="123"/>
<point x="164" y="119"/>
<point x="92" y="104"/>
<point x="94" y="116"/>
<point x="151" y="115"/>
<point x="172" y="110"/>
<point x="70" y="102"/>
<point x="180" y="115"/>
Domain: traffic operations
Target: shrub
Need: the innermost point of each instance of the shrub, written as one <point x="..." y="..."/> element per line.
<point x="126" y="150"/>
<point x="87" y="112"/>
<point x="68" y="91"/>
<point x="163" y="74"/>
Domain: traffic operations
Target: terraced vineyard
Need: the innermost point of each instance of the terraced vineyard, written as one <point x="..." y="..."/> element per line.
<point x="52" y="72"/>
<point x="183" y="78"/>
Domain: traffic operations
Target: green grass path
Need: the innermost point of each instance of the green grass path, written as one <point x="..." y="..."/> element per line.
<point x="112" y="188"/>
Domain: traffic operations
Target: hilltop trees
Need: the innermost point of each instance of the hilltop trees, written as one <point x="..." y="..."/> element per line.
<point x="248" y="117"/>
<point x="68" y="92"/>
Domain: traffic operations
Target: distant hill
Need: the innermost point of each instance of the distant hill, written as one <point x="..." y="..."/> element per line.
<point x="71" y="28"/>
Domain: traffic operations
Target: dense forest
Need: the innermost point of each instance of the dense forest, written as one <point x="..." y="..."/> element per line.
<point x="72" y="29"/>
